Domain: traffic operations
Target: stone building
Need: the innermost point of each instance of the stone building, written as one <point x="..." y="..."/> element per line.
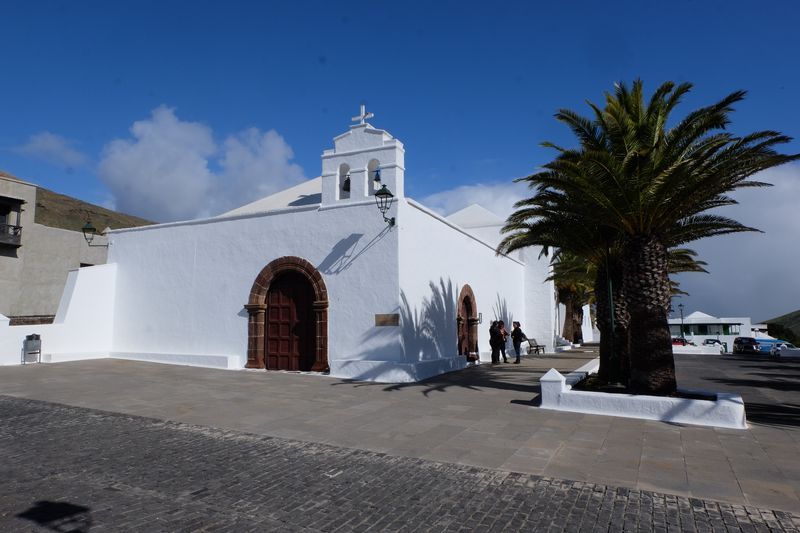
<point x="37" y="251"/>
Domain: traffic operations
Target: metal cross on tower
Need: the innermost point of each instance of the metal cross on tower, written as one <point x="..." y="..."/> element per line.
<point x="361" y="118"/>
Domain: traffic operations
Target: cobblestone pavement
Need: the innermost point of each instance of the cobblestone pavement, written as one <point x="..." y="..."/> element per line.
<point x="484" y="417"/>
<point x="73" y="469"/>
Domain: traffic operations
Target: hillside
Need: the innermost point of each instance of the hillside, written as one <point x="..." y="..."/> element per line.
<point x="60" y="211"/>
<point x="789" y="320"/>
<point x="788" y="326"/>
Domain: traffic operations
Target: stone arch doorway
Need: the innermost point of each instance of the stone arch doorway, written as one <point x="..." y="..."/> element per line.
<point x="288" y="318"/>
<point x="467" y="324"/>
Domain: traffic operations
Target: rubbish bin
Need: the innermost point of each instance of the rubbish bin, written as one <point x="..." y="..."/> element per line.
<point x="32" y="349"/>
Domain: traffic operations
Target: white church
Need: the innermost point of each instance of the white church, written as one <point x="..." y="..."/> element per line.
<point x="315" y="278"/>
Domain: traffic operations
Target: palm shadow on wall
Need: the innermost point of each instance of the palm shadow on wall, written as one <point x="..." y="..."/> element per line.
<point x="501" y="312"/>
<point x="426" y="333"/>
<point x="430" y="332"/>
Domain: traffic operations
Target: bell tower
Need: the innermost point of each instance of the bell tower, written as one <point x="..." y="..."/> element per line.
<point x="360" y="162"/>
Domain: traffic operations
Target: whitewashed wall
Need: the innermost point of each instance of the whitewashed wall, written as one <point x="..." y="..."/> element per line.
<point x="181" y="287"/>
<point x="434" y="251"/>
<point x="540" y="303"/>
<point x="83" y="325"/>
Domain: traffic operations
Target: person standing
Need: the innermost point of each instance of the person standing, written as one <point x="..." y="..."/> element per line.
<point x="501" y="326"/>
<point x="517" y="336"/>
<point x="494" y="342"/>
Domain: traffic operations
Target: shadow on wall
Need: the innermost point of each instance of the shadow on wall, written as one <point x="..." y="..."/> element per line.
<point x="345" y="252"/>
<point x="501" y="312"/>
<point x="307" y="199"/>
<point x="430" y="332"/>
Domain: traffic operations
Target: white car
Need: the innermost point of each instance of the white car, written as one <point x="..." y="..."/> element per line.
<point x="775" y="351"/>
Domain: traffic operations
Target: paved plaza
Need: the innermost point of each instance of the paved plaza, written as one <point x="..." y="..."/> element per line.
<point x="73" y="469"/>
<point x="470" y="449"/>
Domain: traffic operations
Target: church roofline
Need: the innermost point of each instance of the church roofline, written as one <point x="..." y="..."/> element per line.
<point x="440" y="218"/>
<point x="208" y="220"/>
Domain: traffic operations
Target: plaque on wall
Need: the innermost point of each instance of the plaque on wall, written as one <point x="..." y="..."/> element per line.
<point x="387" y="320"/>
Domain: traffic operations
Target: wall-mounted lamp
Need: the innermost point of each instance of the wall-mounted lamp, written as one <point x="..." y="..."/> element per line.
<point x="383" y="198"/>
<point x="89" y="232"/>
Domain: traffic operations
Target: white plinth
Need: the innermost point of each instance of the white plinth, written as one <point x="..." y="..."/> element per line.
<point x="557" y="394"/>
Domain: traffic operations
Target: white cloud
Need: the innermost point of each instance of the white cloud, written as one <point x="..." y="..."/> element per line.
<point x="498" y="197"/>
<point x="257" y="164"/>
<point x="52" y="148"/>
<point x="167" y="170"/>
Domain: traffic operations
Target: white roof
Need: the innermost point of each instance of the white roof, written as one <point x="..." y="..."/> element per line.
<point x="698" y="317"/>
<point x="306" y="193"/>
<point x="474" y="216"/>
<point x="700" y="314"/>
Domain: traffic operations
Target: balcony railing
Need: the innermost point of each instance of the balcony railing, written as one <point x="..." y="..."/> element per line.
<point x="10" y="235"/>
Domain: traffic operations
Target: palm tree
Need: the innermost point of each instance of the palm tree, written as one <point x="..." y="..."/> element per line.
<point x="588" y="257"/>
<point x="574" y="279"/>
<point x="540" y="222"/>
<point x="652" y="186"/>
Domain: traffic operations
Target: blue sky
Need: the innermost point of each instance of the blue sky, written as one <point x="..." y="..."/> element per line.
<point x="470" y="88"/>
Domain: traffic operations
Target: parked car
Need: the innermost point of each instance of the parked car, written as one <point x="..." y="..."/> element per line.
<point x="745" y="345"/>
<point x="717" y="343"/>
<point x="766" y="345"/>
<point x="775" y="351"/>
<point x="680" y="341"/>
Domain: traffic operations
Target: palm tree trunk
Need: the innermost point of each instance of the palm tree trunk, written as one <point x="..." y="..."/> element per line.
<point x="622" y="322"/>
<point x="565" y="297"/>
<point x="614" y="345"/>
<point x="646" y="286"/>
<point x="605" y="372"/>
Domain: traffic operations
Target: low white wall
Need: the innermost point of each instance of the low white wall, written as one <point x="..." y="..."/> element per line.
<point x="697" y="350"/>
<point x="83" y="324"/>
<point x="392" y="372"/>
<point x="557" y="394"/>
<point x="208" y="361"/>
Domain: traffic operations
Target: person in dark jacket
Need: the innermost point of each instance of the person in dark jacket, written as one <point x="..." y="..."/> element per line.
<point x="494" y="342"/>
<point x="517" y="336"/>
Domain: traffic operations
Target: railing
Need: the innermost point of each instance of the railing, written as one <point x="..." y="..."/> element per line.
<point x="10" y="235"/>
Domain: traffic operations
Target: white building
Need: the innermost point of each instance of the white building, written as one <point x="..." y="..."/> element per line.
<point x="699" y="326"/>
<point x="312" y="278"/>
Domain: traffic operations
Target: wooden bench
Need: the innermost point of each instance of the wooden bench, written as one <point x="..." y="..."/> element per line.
<point x="533" y="347"/>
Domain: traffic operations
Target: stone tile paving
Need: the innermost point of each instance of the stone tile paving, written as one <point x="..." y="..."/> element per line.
<point x="484" y="416"/>
<point x="73" y="469"/>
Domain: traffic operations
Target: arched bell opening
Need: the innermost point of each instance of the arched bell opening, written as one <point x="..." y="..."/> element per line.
<point x="373" y="177"/>
<point x="343" y="183"/>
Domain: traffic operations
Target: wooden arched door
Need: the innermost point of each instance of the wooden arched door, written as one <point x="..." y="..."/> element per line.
<point x="290" y="332"/>
<point x="467" y="324"/>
